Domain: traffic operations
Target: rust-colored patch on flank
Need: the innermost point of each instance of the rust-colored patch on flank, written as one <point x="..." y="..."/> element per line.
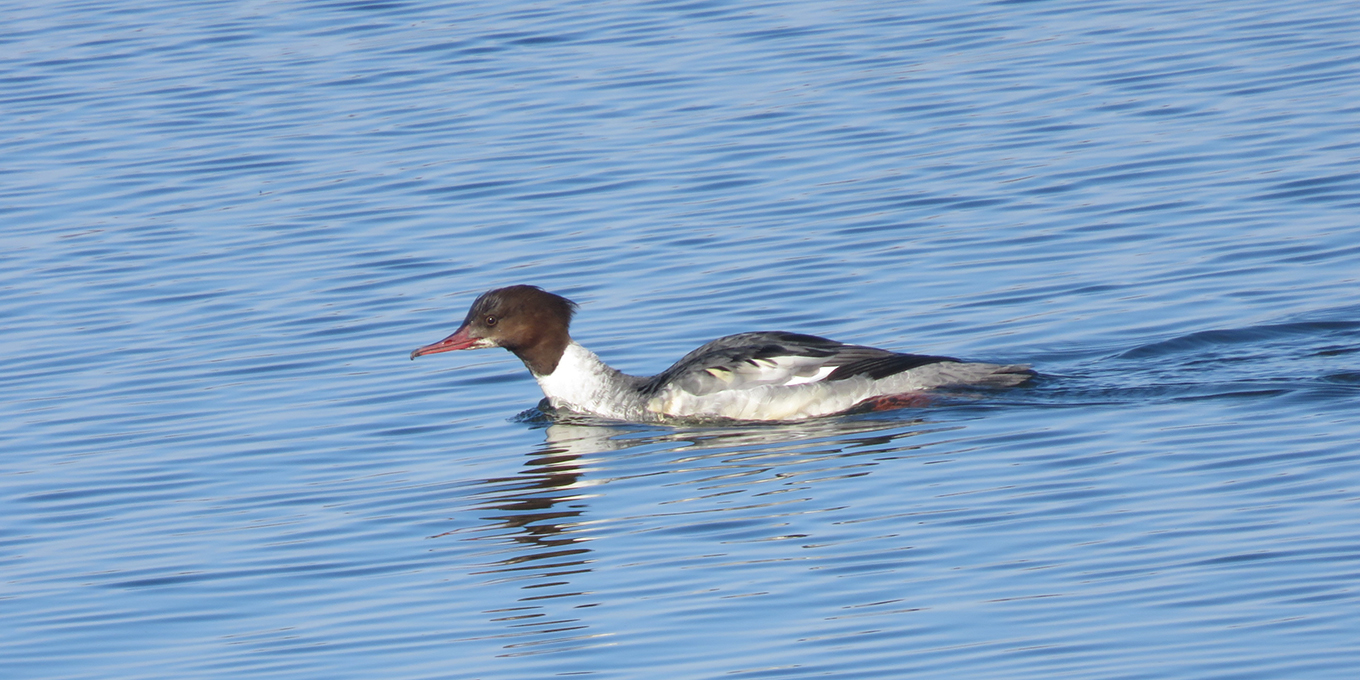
<point x="892" y="402"/>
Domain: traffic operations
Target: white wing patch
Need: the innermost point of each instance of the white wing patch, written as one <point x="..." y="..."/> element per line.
<point x="815" y="377"/>
<point x="755" y="373"/>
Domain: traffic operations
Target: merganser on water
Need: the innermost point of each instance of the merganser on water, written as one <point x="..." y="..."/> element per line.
<point x="772" y="375"/>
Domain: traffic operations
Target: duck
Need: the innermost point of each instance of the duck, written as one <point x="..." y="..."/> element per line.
<point x="754" y="376"/>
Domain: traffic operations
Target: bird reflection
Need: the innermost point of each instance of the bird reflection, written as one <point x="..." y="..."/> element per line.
<point x="535" y="508"/>
<point x="536" y="517"/>
<point x="541" y="506"/>
<point x="538" y="510"/>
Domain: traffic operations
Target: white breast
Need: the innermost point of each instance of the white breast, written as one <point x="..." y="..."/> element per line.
<point x="585" y="384"/>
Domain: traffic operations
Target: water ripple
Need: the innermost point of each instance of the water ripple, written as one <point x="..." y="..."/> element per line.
<point x="225" y="229"/>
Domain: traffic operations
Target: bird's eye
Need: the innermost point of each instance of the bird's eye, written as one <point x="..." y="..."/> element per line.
<point x="491" y="321"/>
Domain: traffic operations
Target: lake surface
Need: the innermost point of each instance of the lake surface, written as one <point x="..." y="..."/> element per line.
<point x="226" y="225"/>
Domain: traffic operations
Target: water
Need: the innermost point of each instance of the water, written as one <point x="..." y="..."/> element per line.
<point x="225" y="226"/>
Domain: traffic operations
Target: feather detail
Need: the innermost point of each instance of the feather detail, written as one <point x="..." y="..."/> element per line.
<point x="787" y="376"/>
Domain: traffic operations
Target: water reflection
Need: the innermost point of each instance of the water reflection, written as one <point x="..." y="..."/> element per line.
<point x="542" y="506"/>
<point x="538" y="518"/>
<point x="535" y="512"/>
<point x="536" y="508"/>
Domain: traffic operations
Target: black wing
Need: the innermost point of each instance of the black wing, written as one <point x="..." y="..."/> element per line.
<point x="749" y="360"/>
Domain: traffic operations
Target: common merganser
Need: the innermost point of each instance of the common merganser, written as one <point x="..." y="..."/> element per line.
<point x="772" y="375"/>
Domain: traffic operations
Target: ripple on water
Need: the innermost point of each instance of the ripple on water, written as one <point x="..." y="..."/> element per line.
<point x="225" y="229"/>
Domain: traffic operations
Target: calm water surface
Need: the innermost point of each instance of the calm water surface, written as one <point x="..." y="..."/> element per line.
<point x="225" y="225"/>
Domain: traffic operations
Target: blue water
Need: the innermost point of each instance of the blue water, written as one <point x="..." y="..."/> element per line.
<point x="224" y="226"/>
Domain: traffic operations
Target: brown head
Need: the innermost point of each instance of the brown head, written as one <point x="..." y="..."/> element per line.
<point x="526" y="320"/>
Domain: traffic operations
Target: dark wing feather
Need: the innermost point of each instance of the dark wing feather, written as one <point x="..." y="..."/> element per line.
<point x="890" y="363"/>
<point x="778" y="357"/>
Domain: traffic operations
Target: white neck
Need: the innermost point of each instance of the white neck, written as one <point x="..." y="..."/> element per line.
<point x="585" y="384"/>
